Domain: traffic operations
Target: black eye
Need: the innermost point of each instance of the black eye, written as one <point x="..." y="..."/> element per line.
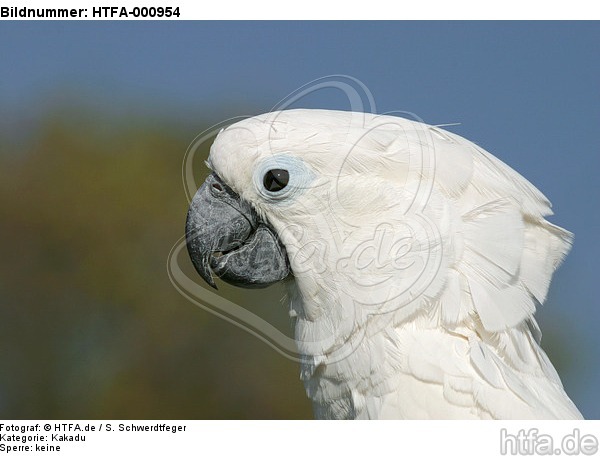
<point x="276" y="179"/>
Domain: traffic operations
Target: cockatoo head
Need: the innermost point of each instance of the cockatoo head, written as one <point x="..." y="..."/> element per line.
<point x="372" y="218"/>
<point x="325" y="196"/>
<point x="380" y="227"/>
<point x="339" y="203"/>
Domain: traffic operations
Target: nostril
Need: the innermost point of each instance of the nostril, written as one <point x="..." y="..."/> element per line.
<point x="217" y="187"/>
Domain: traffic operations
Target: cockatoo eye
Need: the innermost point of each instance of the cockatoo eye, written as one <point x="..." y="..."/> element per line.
<point x="280" y="178"/>
<point x="276" y="179"/>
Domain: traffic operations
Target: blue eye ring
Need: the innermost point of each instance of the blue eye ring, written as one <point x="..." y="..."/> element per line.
<point x="280" y="177"/>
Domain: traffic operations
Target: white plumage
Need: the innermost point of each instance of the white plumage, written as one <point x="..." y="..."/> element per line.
<point x="418" y="259"/>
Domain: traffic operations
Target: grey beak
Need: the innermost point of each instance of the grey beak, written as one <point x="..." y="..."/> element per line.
<point x="225" y="235"/>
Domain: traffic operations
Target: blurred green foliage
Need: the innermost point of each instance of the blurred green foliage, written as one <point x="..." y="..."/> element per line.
<point x="90" y="326"/>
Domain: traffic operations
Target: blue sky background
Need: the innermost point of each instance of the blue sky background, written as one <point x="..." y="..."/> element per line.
<point x="527" y="92"/>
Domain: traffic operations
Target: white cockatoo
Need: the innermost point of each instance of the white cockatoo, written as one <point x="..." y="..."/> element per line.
<point x="413" y="261"/>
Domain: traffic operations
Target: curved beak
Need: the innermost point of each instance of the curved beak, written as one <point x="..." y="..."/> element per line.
<point x="225" y="236"/>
